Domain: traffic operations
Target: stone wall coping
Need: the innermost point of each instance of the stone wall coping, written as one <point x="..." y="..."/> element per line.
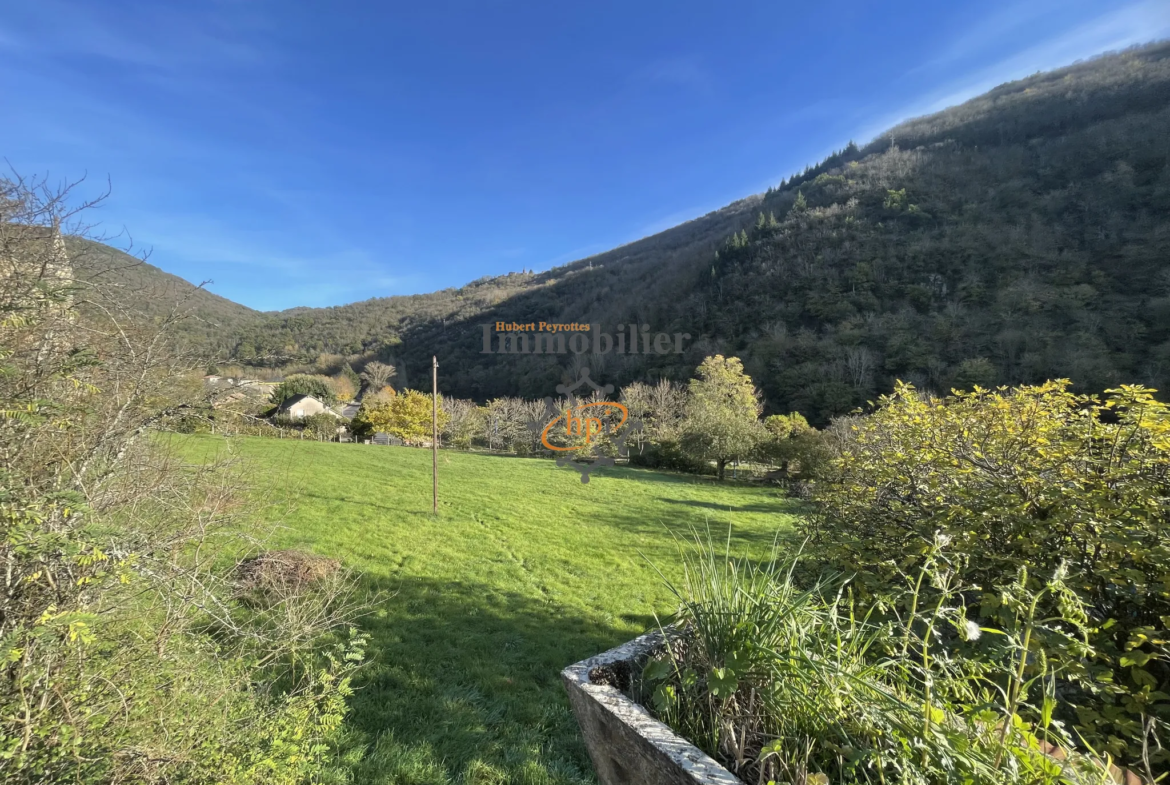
<point x="699" y="767"/>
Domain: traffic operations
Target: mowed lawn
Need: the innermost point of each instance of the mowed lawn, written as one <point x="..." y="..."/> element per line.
<point x="524" y="571"/>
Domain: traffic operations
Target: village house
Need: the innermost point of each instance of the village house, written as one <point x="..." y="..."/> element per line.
<point x="300" y="406"/>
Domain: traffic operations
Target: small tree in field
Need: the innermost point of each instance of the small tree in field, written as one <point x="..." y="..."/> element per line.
<point x="792" y="445"/>
<point x="407" y="416"/>
<point x="722" y="414"/>
<point x="465" y="422"/>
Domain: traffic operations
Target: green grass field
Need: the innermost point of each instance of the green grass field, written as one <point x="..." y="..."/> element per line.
<point x="524" y="571"/>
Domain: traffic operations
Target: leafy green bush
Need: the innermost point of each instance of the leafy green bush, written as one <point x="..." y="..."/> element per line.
<point x="1031" y="478"/>
<point x="668" y="454"/>
<point x="793" y="445"/>
<point x="322" y="426"/>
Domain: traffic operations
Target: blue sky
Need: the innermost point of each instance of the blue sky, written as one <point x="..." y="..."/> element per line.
<point x="310" y="153"/>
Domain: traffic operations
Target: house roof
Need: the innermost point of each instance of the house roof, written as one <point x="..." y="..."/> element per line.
<point x="298" y="398"/>
<point x="288" y="403"/>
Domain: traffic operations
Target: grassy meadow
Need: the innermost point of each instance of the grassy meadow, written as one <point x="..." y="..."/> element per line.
<point x="524" y="571"/>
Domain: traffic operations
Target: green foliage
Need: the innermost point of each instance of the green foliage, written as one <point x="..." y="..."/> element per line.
<point x="895" y="200"/>
<point x="319" y="387"/>
<point x="464" y="422"/>
<point x="349" y="373"/>
<point x="793" y="445"/>
<point x="406" y="415"/>
<point x="797" y="684"/>
<point x="1035" y="479"/>
<point x="787" y="426"/>
<point x="125" y="655"/>
<point x="722" y="411"/>
<point x="149" y="292"/>
<point x="323" y="426"/>
<point x="976" y="372"/>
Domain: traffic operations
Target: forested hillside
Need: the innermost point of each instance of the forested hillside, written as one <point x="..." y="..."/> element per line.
<point x="153" y="294"/>
<point x="1021" y="236"/>
<point x="440" y="320"/>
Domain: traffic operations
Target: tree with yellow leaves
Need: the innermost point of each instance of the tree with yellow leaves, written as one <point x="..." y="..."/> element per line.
<point x="406" y="416"/>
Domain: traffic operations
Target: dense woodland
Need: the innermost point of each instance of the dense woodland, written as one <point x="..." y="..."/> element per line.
<point x="1017" y="237"/>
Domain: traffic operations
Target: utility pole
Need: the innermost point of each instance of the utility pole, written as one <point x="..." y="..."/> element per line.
<point x="435" y="433"/>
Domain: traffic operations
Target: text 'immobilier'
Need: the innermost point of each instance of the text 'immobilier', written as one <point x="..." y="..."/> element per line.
<point x="558" y="338"/>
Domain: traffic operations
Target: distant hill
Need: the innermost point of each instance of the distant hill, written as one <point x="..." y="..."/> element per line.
<point x="153" y="293"/>
<point x="1020" y="236"/>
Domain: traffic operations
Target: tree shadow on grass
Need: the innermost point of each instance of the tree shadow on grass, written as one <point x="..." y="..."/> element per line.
<point x="779" y="506"/>
<point x="644" y="474"/>
<point x="681" y="522"/>
<point x="466" y="679"/>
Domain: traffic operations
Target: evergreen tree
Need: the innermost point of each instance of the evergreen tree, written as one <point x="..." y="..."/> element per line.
<point x="348" y="372"/>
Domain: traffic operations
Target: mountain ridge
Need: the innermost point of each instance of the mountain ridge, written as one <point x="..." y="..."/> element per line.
<point x="1017" y="236"/>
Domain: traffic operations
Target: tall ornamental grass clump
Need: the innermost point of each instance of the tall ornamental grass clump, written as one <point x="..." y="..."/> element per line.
<point x="1025" y="483"/>
<point x="791" y="682"/>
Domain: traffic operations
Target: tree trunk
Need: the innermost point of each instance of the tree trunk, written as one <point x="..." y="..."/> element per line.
<point x="721" y="464"/>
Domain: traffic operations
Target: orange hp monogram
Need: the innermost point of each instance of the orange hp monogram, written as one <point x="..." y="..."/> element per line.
<point x="578" y="428"/>
<point x="585" y="423"/>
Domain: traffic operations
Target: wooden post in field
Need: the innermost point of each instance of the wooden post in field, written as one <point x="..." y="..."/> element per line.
<point x="435" y="434"/>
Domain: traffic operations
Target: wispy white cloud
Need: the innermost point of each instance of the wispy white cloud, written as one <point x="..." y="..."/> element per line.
<point x="989" y="32"/>
<point x="193" y="37"/>
<point x="198" y="238"/>
<point x="268" y="269"/>
<point x="1128" y="25"/>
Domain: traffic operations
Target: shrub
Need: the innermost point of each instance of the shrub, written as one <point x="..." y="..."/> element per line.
<point x="322" y="426"/>
<point x="792" y="445"/>
<point x="1029" y="478"/>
